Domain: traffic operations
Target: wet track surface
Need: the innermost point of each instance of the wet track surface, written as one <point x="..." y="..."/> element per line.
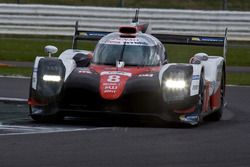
<point x="126" y="142"/>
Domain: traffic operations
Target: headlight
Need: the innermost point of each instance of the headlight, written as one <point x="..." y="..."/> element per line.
<point x="52" y="78"/>
<point x="175" y="84"/>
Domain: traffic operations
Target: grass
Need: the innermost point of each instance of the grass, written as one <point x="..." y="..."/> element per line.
<point x="23" y="71"/>
<point x="236" y="55"/>
<point x="26" y="49"/>
<point x="177" y="4"/>
<point x="238" y="78"/>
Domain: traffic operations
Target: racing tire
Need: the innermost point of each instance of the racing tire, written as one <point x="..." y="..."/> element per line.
<point x="41" y="118"/>
<point x="46" y="118"/>
<point x="217" y="114"/>
<point x="37" y="118"/>
<point x="199" y="106"/>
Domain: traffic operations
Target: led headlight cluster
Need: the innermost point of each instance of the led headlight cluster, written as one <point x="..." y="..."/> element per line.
<point x="52" y="78"/>
<point x="175" y="84"/>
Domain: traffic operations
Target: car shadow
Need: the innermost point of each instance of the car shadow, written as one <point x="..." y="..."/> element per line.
<point x="113" y="121"/>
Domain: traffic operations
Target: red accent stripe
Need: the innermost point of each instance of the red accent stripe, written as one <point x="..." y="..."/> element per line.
<point x="206" y="97"/>
<point x="215" y="100"/>
<point x="33" y="102"/>
<point x="113" y="80"/>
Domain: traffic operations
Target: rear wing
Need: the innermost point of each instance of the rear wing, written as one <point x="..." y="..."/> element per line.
<point x="164" y="38"/>
<point x="86" y="35"/>
<point x="195" y="40"/>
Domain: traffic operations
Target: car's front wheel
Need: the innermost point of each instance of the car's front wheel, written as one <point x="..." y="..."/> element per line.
<point x="37" y="114"/>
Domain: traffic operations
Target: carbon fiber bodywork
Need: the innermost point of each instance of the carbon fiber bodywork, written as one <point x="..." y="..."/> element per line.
<point x="141" y="94"/>
<point x="80" y="93"/>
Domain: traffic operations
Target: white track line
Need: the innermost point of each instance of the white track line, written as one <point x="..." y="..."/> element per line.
<point x="240" y="86"/>
<point x="14" y="76"/>
<point x="42" y="130"/>
<point x="10" y="99"/>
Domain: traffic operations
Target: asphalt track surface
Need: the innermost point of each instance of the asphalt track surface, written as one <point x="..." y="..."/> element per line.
<point x="126" y="142"/>
<point x="11" y="87"/>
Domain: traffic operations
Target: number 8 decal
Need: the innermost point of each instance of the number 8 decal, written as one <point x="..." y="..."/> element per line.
<point x="114" y="78"/>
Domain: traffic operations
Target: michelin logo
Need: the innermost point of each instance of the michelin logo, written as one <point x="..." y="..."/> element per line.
<point x="196" y="77"/>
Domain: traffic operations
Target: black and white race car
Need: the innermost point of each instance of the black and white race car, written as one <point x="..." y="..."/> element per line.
<point x="129" y="73"/>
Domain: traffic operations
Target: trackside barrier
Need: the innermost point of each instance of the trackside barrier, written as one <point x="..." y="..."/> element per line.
<point x="60" y="20"/>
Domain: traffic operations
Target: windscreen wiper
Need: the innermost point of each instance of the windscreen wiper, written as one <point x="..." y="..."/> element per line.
<point x="122" y="52"/>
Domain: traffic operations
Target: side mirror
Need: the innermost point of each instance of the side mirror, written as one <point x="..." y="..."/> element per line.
<point x="82" y="60"/>
<point x="50" y="49"/>
<point x="165" y="62"/>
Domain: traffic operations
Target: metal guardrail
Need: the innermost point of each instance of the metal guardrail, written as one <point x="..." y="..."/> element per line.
<point x="60" y="20"/>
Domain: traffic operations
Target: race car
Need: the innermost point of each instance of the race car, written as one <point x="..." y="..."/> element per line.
<point x="129" y="73"/>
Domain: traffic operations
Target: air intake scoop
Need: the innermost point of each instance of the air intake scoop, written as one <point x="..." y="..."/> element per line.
<point x="129" y="30"/>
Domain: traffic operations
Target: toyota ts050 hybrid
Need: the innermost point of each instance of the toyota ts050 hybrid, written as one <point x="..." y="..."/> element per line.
<point x="128" y="73"/>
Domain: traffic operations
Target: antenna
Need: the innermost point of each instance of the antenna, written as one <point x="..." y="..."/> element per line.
<point x="136" y="18"/>
<point x="74" y="43"/>
<point x="225" y="45"/>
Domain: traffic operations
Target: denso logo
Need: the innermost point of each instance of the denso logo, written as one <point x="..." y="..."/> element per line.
<point x="110" y="87"/>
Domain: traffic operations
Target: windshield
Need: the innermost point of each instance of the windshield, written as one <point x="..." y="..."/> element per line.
<point x="132" y="55"/>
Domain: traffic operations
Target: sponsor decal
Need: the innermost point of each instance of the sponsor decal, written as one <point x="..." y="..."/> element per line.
<point x="212" y="39"/>
<point x="84" y="72"/>
<point x="34" y="78"/>
<point x="34" y="81"/>
<point x="128" y="41"/>
<point x="112" y="84"/>
<point x="207" y="39"/>
<point x="195" y="39"/>
<point x="110" y="87"/>
<point x="195" y="87"/>
<point x="100" y="34"/>
<point x="83" y="34"/>
<point x="190" y="118"/>
<point x="146" y="75"/>
<point x="116" y="73"/>
<point x="196" y="77"/>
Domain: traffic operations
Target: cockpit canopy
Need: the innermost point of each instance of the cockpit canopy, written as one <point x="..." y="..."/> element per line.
<point x="137" y="51"/>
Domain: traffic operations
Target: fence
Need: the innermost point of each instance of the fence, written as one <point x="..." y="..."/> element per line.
<point x="60" y="20"/>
